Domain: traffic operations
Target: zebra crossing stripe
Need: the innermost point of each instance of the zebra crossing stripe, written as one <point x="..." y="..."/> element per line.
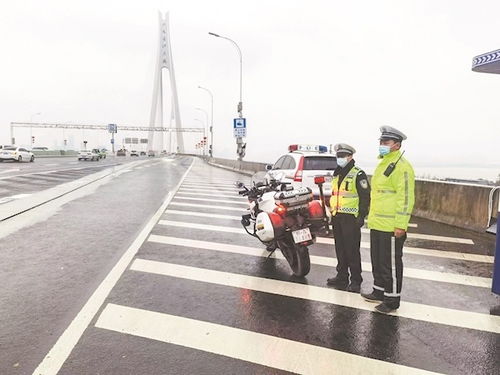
<point x="213" y="207"/>
<point x="330" y="241"/>
<point x="216" y="195"/>
<point x="202" y="214"/>
<point x="211" y="200"/>
<point x="433" y="237"/>
<point x="415" y="273"/>
<point x="259" y="348"/>
<point x="410" y="310"/>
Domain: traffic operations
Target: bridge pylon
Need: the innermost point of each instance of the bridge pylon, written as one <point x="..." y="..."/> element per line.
<point x="165" y="62"/>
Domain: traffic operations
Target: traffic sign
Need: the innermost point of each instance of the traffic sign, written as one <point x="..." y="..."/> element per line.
<point x="240" y="127"/>
<point x="112" y="128"/>
<point x="112" y="141"/>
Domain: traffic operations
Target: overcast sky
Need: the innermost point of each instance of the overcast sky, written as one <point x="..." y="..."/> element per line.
<point x="314" y="72"/>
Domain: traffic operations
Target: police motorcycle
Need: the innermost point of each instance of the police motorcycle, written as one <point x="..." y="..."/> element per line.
<point x="287" y="218"/>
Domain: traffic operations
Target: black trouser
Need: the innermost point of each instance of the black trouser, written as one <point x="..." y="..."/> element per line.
<point x="347" y="235"/>
<point x="387" y="264"/>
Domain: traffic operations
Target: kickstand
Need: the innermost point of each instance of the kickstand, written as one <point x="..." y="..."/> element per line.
<point x="270" y="254"/>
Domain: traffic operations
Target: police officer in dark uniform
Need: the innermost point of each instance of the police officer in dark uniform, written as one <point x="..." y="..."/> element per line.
<point x="349" y="205"/>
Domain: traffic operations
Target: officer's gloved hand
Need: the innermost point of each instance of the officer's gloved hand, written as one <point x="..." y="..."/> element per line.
<point x="360" y="221"/>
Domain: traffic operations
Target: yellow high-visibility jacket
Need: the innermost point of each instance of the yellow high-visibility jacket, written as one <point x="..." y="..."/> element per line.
<point x="393" y="197"/>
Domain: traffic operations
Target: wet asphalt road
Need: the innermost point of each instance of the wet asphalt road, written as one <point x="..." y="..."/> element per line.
<point x="28" y="178"/>
<point x="45" y="286"/>
<point x="50" y="269"/>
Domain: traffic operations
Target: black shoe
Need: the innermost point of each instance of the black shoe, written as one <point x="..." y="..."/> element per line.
<point x="384" y="308"/>
<point x="337" y="281"/>
<point x="354" y="287"/>
<point x="375" y="296"/>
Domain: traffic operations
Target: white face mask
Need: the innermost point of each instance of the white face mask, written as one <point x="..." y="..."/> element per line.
<point x="342" y="162"/>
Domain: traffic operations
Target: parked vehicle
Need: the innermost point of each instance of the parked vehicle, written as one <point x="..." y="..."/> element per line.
<point x="287" y="218"/>
<point x="143" y="153"/>
<point x="121" y="152"/>
<point x="151" y="153"/>
<point x="15" y="153"/>
<point x="134" y="153"/>
<point x="88" y="155"/>
<point x="301" y="164"/>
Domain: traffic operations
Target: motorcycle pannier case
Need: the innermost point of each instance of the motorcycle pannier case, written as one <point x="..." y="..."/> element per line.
<point x="299" y="197"/>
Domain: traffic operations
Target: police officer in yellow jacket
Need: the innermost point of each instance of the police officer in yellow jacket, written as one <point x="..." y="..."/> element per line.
<point x="392" y="199"/>
<point x="349" y="206"/>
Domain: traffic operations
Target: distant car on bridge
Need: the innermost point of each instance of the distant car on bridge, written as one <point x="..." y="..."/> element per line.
<point x="100" y="153"/>
<point x="15" y="153"/>
<point x="88" y="155"/>
<point x="301" y="164"/>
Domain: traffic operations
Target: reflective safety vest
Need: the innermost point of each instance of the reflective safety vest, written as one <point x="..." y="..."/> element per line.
<point x="392" y="198"/>
<point x="345" y="199"/>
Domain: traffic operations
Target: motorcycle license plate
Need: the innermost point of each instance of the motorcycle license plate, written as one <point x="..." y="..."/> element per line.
<point x="301" y="235"/>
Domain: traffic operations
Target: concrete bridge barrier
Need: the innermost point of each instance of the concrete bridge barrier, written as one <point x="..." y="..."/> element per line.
<point x="460" y="205"/>
<point x="55" y="153"/>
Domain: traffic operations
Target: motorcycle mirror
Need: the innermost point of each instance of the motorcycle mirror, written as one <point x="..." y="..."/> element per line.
<point x="239" y="184"/>
<point x="269" y="167"/>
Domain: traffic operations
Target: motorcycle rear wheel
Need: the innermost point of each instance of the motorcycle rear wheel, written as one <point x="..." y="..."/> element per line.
<point x="297" y="257"/>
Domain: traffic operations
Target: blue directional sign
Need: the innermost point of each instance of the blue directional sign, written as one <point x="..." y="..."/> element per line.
<point x="112" y="128"/>
<point x="487" y="62"/>
<point x="112" y="141"/>
<point x="240" y="127"/>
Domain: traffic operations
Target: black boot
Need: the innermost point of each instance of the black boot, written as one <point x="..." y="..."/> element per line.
<point x="354" y="287"/>
<point x="338" y="281"/>
<point x="375" y="296"/>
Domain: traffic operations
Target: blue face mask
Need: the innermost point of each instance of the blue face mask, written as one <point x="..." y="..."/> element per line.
<point x="342" y="162"/>
<point x="384" y="150"/>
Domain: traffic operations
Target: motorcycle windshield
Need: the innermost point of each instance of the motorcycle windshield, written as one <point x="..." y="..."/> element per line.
<point x="259" y="177"/>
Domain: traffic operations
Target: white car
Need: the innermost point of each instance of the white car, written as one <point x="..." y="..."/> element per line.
<point x="88" y="155"/>
<point x="134" y="153"/>
<point x="301" y="165"/>
<point x="16" y="154"/>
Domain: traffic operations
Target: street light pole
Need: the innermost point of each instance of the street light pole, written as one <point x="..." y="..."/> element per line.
<point x="239" y="140"/>
<point x="211" y="121"/>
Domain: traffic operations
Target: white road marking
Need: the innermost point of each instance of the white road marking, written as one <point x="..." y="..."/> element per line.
<point x="433" y="237"/>
<point x="227" y="217"/>
<point x="56" y="357"/>
<point x="51" y="165"/>
<point x="203" y="214"/>
<point x="211" y="200"/>
<point x="228" y="208"/>
<point x="426" y="252"/>
<point x="330" y="241"/>
<point x="415" y="273"/>
<point x="227" y="186"/>
<point x="210" y="180"/>
<point x="259" y="348"/>
<point x="235" y="196"/>
<point x="410" y="310"/>
<point x="203" y="190"/>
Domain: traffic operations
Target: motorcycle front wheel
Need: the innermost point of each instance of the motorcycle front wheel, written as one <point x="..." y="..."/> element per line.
<point x="297" y="257"/>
